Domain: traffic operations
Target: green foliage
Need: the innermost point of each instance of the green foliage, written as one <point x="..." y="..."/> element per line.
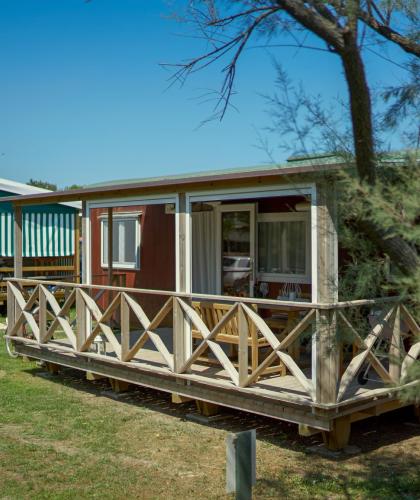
<point x="404" y="105"/>
<point x="51" y="186"/>
<point x="391" y="204"/>
<point x="73" y="186"/>
<point x="42" y="184"/>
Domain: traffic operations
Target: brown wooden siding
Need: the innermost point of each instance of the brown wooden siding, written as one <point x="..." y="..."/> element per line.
<point x="157" y="253"/>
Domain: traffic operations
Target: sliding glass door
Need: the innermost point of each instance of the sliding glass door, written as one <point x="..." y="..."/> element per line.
<point x="237" y="249"/>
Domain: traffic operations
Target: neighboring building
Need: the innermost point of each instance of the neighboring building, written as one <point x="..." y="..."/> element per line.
<point x="50" y="236"/>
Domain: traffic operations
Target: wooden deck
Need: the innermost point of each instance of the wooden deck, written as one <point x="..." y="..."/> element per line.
<point x="166" y="359"/>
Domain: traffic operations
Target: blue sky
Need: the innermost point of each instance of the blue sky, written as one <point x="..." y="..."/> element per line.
<point x="83" y="98"/>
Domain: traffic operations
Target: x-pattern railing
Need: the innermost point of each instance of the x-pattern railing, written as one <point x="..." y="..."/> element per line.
<point x="399" y="361"/>
<point x="39" y="310"/>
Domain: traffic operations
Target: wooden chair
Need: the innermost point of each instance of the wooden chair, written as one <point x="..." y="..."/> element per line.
<point x="211" y="313"/>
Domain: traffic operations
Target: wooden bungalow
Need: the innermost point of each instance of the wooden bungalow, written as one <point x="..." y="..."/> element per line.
<point x="50" y="236"/>
<point x="221" y="287"/>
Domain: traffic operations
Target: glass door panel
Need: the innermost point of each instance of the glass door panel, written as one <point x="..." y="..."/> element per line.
<point x="237" y="252"/>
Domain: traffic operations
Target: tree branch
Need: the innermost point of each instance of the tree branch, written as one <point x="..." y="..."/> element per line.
<point x="407" y="44"/>
<point x="315" y="22"/>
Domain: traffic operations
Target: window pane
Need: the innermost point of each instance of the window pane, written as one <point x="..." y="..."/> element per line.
<point x="130" y="249"/>
<point x="269" y="247"/>
<point x="105" y="242"/>
<point x="116" y="234"/>
<point x="236" y="249"/>
<point x="295" y="247"/>
<point x="124" y="241"/>
<point x="282" y="247"/>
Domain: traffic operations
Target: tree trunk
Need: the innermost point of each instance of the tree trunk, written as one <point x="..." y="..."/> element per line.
<point x="360" y="107"/>
<point x="399" y="251"/>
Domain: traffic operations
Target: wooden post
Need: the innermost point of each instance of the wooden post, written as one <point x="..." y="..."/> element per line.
<point x="327" y="357"/>
<point x="81" y="320"/>
<point x="395" y="348"/>
<point x="118" y="385"/>
<point x="11" y="305"/>
<point x="125" y="327"/>
<point x="85" y="326"/>
<point x="76" y="264"/>
<point x="110" y="241"/>
<point x="325" y="348"/>
<point x="85" y="245"/>
<point x="182" y="341"/>
<point x="339" y="436"/>
<point x="42" y="314"/>
<point x="110" y="251"/>
<point x="18" y="244"/>
<point x="17" y="258"/>
<point x="207" y="409"/>
<point x="243" y="346"/>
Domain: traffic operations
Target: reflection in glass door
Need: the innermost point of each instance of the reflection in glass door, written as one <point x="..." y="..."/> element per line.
<point x="237" y="249"/>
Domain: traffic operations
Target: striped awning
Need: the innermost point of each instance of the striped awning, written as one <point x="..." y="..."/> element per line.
<point x="45" y="234"/>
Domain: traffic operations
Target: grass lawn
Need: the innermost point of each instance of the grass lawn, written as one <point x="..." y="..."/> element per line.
<point x="61" y="438"/>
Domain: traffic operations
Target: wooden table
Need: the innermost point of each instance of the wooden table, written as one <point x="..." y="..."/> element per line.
<point x="292" y="320"/>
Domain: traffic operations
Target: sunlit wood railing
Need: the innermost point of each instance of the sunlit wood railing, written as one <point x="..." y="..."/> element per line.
<point x="388" y="346"/>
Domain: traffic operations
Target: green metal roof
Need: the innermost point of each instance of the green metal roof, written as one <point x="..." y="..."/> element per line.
<point x="297" y="165"/>
<point x="297" y="161"/>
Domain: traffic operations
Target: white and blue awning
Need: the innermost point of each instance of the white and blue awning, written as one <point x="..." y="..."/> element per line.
<point x="45" y="234"/>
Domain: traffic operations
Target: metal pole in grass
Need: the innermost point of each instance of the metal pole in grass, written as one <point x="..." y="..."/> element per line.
<point x="241" y="464"/>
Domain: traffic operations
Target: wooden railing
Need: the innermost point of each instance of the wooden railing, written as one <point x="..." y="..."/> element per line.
<point x="51" y="268"/>
<point x="389" y="344"/>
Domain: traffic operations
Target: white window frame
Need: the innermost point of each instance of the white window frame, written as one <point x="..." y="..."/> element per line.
<point x="287" y="277"/>
<point x="123" y="216"/>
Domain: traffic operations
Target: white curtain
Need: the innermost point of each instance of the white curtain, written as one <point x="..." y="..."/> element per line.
<point x="282" y="247"/>
<point x="204" y="252"/>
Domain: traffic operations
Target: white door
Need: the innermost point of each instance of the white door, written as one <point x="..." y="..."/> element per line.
<point x="236" y="254"/>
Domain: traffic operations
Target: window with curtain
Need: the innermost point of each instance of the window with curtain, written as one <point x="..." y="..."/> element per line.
<point x="125" y="242"/>
<point x="284" y="247"/>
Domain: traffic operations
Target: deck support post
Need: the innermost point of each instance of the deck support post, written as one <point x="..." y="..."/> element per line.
<point x="325" y="361"/>
<point x="338" y="437"/>
<point x="52" y="368"/>
<point x="207" y="409"/>
<point x="118" y="385"/>
<point x="179" y="399"/>
<point x="91" y="376"/>
<point x="182" y="340"/>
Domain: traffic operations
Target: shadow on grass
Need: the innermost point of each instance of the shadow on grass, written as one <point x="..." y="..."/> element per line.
<point x="392" y="478"/>
<point x="368" y="435"/>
